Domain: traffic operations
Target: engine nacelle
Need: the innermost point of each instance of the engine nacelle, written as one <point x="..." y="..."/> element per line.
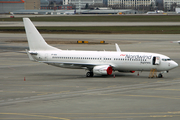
<point x="102" y="70"/>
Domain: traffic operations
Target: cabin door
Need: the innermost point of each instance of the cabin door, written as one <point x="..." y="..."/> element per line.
<point x="156" y="60"/>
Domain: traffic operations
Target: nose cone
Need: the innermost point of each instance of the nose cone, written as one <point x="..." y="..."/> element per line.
<point x="174" y="65"/>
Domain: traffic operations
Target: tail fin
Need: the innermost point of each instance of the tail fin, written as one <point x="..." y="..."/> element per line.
<point x="35" y="40"/>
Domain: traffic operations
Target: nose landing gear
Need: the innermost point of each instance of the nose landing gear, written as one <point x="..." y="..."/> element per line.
<point x="160" y="75"/>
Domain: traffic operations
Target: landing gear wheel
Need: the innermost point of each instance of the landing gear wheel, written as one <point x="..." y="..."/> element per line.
<point x="160" y="75"/>
<point x="89" y="74"/>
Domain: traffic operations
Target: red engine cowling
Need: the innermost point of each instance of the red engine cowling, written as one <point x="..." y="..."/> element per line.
<point x="103" y="70"/>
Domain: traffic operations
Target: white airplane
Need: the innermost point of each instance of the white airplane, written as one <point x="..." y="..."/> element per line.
<point x="69" y="13"/>
<point x="96" y="62"/>
<point x="155" y="12"/>
<point x="176" y="42"/>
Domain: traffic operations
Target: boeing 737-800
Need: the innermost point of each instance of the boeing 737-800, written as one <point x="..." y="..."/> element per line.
<point x="96" y="62"/>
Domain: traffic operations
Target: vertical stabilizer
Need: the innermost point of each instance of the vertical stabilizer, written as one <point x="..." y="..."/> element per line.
<point x="35" y="40"/>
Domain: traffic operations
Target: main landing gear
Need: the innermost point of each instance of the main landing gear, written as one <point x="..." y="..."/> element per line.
<point x="89" y="74"/>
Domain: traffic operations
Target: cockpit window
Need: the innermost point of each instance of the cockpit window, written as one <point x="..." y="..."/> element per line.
<point x="166" y="59"/>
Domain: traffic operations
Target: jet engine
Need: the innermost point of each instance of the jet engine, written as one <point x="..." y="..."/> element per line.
<point x="102" y="70"/>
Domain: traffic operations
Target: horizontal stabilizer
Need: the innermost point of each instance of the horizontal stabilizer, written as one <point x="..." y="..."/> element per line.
<point x="30" y="56"/>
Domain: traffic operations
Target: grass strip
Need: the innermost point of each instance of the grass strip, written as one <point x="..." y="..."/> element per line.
<point x="100" y="30"/>
<point x="107" y="18"/>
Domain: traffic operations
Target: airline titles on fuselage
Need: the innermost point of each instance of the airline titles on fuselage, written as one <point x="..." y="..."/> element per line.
<point x="142" y="58"/>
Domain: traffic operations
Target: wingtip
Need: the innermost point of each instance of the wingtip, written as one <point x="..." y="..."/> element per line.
<point x="117" y="48"/>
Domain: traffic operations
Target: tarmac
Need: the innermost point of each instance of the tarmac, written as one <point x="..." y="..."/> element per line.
<point x="31" y="90"/>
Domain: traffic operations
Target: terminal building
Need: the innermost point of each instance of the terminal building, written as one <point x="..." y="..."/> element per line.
<point x="53" y="6"/>
<point x="32" y="4"/>
<point x="7" y="6"/>
<point x="82" y="3"/>
<point x="131" y="3"/>
<point x="170" y="5"/>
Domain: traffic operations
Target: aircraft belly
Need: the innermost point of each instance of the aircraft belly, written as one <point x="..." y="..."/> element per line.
<point x="66" y="66"/>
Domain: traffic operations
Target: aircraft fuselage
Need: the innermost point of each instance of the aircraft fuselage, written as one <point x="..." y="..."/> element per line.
<point x="120" y="61"/>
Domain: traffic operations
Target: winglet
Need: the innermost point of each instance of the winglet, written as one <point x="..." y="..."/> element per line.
<point x="117" y="48"/>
